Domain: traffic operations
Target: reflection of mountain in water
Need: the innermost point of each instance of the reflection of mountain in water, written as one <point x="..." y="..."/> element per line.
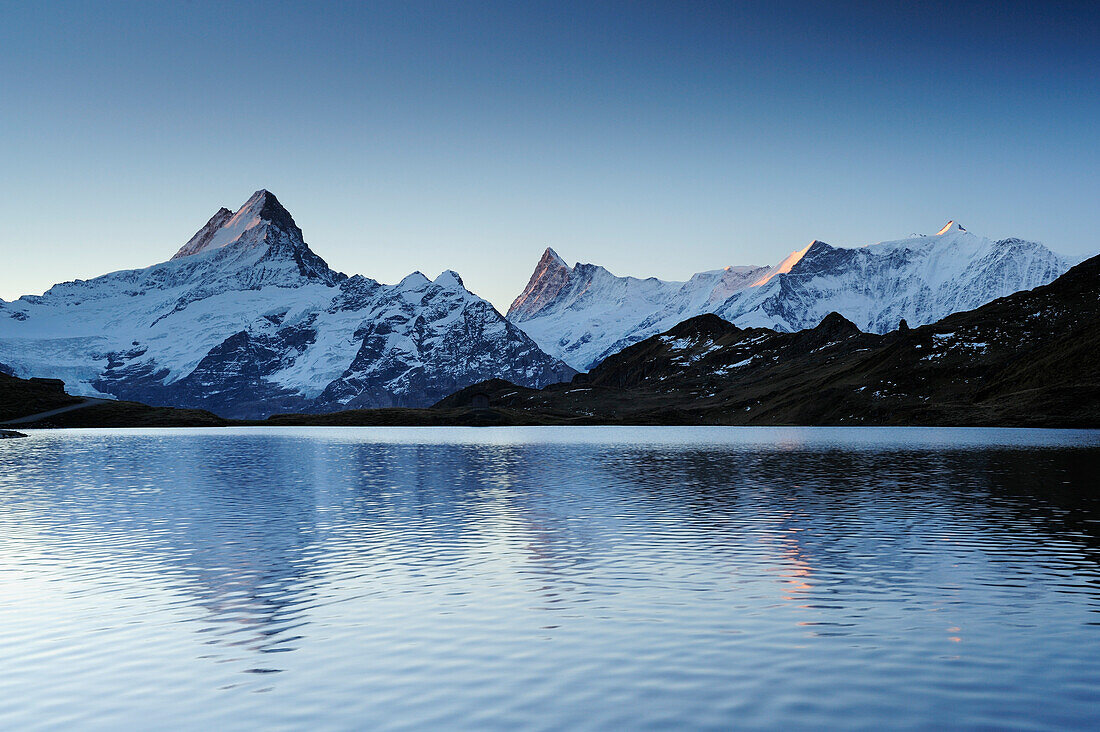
<point x="232" y="524"/>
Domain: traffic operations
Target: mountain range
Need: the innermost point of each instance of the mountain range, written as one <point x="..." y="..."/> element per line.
<point x="584" y="314"/>
<point x="246" y="320"/>
<point x="1028" y="359"/>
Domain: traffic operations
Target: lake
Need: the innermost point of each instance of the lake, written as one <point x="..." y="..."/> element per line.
<point x="548" y="578"/>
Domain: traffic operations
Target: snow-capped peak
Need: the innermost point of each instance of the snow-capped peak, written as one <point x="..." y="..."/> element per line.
<point x="225" y="228"/>
<point x="949" y="227"/>
<point x="585" y="314"/>
<point x="247" y="320"/>
<point x="785" y="266"/>
<point x="550" y="276"/>
<point x="550" y="257"/>
<point x="449" y="279"/>
<point x="413" y="281"/>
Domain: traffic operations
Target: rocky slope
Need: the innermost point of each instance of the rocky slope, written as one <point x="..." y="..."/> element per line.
<point x="583" y="314"/>
<point x="36" y="403"/>
<point x="20" y="397"/>
<point x="246" y="320"/>
<point x="1031" y="358"/>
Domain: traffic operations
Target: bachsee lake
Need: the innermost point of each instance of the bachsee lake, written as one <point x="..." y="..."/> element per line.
<point x="548" y="578"/>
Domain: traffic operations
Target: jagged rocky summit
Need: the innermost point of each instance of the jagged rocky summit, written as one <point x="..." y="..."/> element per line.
<point x="246" y="320"/>
<point x="583" y="314"/>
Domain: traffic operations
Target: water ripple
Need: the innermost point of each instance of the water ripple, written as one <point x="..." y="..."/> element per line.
<point x="548" y="578"/>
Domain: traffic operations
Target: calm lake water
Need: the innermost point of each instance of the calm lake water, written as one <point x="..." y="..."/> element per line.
<point x="550" y="578"/>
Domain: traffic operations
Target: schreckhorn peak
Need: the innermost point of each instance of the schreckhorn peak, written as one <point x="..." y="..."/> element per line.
<point x="225" y="228"/>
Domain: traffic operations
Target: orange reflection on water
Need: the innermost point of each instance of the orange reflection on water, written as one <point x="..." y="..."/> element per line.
<point x="795" y="568"/>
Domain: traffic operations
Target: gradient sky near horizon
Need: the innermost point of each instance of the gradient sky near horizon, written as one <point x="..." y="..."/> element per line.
<point x="656" y="139"/>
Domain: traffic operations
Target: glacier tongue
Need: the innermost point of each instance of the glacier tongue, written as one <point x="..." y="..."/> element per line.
<point x="584" y="314"/>
<point x="246" y="320"/>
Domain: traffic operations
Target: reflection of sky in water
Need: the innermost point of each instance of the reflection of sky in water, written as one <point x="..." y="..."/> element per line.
<point x="504" y="577"/>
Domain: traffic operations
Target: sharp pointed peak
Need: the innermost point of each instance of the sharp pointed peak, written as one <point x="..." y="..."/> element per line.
<point x="261" y="195"/>
<point x="551" y="257"/>
<point x="550" y="276"/>
<point x="265" y="206"/>
<point x="227" y="227"/>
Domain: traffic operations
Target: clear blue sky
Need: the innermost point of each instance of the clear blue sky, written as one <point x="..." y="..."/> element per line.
<point x="655" y="139"/>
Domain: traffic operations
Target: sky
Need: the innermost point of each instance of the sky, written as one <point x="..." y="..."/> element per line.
<point x="656" y="139"/>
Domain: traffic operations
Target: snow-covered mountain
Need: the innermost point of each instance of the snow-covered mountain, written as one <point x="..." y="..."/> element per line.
<point x="245" y="320"/>
<point x="582" y="314"/>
